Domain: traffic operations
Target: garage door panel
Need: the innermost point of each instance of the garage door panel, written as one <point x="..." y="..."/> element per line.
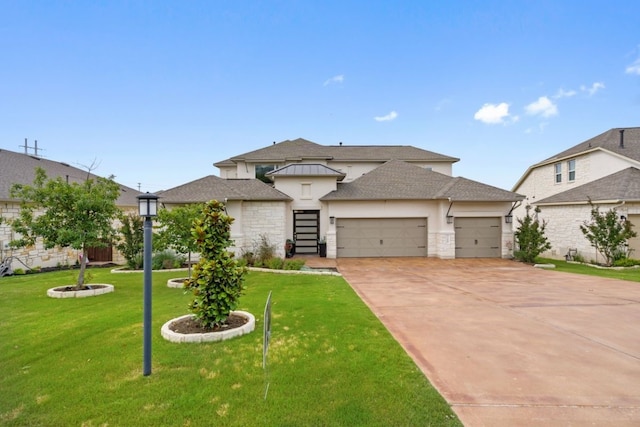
<point x="478" y="237"/>
<point x="381" y="237"/>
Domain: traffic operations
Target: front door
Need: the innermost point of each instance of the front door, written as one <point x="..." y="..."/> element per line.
<point x="306" y="231"/>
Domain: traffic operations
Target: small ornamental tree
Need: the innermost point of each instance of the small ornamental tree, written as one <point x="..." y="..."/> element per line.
<point x="175" y="229"/>
<point x="217" y="279"/>
<point x="76" y="215"/>
<point x="530" y="237"/>
<point x="607" y="234"/>
<point x="132" y="239"/>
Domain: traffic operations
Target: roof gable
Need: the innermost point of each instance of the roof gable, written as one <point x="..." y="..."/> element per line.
<point x="620" y="186"/>
<point x="399" y="180"/>
<point x="215" y="188"/>
<point x="19" y="168"/>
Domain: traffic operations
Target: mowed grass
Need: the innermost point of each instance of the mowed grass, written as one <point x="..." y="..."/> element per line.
<point x="78" y="362"/>
<point x="632" y="274"/>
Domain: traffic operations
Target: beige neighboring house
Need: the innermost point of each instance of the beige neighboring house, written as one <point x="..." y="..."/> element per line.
<point x="18" y="168"/>
<point x="361" y="201"/>
<point x="604" y="169"/>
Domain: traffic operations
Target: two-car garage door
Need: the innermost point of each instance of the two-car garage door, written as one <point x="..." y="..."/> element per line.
<point x="478" y="237"/>
<point x="381" y="237"/>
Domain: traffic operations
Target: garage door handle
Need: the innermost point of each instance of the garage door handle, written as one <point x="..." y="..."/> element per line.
<point x="476" y="241"/>
<point x="380" y="241"/>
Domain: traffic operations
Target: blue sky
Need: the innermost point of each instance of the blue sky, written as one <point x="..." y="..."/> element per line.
<point x="155" y="92"/>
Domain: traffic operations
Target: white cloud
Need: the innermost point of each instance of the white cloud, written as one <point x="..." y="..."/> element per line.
<point x="335" y="79"/>
<point x="634" y="68"/>
<point x="543" y="107"/>
<point x="391" y="116"/>
<point x="593" y="89"/>
<point x="492" y="114"/>
<point x="565" y="93"/>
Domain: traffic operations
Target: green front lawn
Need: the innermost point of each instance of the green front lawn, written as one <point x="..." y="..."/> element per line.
<point x="78" y="362"/>
<point x="632" y="274"/>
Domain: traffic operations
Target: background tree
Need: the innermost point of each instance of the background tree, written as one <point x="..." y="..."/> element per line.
<point x="76" y="215"/>
<point x="175" y="229"/>
<point x="217" y="280"/>
<point x="132" y="239"/>
<point x="530" y="237"/>
<point x="607" y="234"/>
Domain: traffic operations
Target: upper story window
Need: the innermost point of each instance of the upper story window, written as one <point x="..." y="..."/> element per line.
<point x="261" y="170"/>
<point x="571" y="169"/>
<point x="558" y="172"/>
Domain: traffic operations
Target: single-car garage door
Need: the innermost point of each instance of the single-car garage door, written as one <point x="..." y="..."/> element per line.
<point x="381" y="237"/>
<point x="478" y="237"/>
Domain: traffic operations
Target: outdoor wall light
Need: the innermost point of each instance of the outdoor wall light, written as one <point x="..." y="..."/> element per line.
<point x="508" y="219"/>
<point x="332" y="220"/>
<point x="148" y="208"/>
<point x="449" y="219"/>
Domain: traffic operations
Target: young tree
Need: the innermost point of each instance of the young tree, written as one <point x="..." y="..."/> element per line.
<point x="608" y="234"/>
<point x="76" y="215"/>
<point x="217" y="280"/>
<point x="175" y="229"/>
<point x="530" y="237"/>
<point x="132" y="242"/>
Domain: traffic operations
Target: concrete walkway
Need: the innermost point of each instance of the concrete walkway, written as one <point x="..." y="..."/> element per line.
<point x="510" y="345"/>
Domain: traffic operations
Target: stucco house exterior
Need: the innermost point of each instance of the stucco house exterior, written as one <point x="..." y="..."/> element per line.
<point x="604" y="169"/>
<point x="19" y="168"/>
<point x="361" y="201"/>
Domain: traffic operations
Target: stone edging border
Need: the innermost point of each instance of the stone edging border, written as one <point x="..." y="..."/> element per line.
<point x="176" y="337"/>
<point x="105" y="289"/>
<point x="319" y="273"/>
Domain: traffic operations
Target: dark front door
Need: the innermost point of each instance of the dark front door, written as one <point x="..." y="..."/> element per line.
<point x="306" y="231"/>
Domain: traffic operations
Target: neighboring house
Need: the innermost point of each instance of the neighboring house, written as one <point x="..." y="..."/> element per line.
<point x="18" y="168"/>
<point x="604" y="169"/>
<point x="362" y="201"/>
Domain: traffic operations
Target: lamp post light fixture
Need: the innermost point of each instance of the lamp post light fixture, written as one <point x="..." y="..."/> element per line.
<point x="148" y="209"/>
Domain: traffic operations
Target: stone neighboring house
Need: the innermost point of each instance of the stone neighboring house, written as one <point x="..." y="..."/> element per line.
<point x="19" y="168"/>
<point x="359" y="201"/>
<point x="604" y="169"/>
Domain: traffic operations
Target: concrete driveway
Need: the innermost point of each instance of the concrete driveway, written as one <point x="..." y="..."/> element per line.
<point x="507" y="344"/>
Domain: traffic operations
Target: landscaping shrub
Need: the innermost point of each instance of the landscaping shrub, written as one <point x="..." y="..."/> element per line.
<point x="530" y="237"/>
<point x="264" y="250"/>
<point x="132" y="240"/>
<point x="217" y="280"/>
<point x="275" y="263"/>
<point x="626" y="262"/>
<point x="166" y="260"/>
<point x="607" y="234"/>
<point x="293" y="264"/>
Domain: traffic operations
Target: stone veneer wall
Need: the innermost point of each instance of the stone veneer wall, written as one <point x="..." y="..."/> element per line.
<point x="38" y="256"/>
<point x="262" y="218"/>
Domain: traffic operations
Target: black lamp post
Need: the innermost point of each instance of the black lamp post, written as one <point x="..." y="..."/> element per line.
<point x="148" y="208"/>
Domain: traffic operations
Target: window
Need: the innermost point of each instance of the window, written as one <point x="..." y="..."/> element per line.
<point x="558" y="169"/>
<point x="261" y="170"/>
<point x="571" y="169"/>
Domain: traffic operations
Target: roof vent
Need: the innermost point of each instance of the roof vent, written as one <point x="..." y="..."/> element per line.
<point x="621" y="138"/>
<point x="274" y="143"/>
<point x="340" y="143"/>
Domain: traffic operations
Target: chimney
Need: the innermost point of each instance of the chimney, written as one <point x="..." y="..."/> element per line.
<point x="621" y="138"/>
<point x="340" y="143"/>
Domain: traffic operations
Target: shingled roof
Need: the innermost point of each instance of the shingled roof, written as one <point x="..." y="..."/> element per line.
<point x="610" y="141"/>
<point x="399" y="180"/>
<point x="620" y="186"/>
<point x="298" y="150"/>
<point x="215" y="188"/>
<point x="19" y="168"/>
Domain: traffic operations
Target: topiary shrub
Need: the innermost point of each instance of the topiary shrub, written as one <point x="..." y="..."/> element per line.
<point x="217" y="280"/>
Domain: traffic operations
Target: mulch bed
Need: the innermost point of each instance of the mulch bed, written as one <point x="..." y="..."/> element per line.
<point x="190" y="325"/>
<point x="83" y="288"/>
